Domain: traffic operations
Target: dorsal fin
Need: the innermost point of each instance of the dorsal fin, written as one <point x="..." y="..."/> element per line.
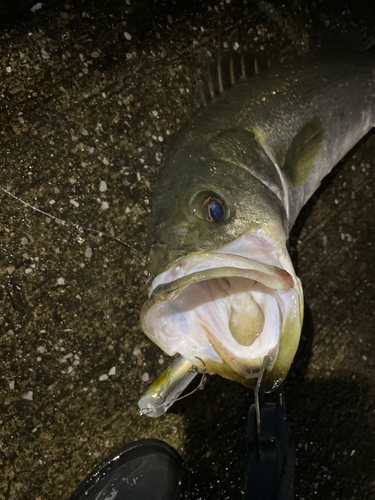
<point x="227" y="69"/>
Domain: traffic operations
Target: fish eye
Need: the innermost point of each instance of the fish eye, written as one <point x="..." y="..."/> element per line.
<point x="209" y="206"/>
<point x="213" y="210"/>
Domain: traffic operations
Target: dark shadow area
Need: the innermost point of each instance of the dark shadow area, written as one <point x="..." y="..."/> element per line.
<point x="215" y="447"/>
<point x="331" y="421"/>
<point x="331" y="425"/>
<point x="15" y="11"/>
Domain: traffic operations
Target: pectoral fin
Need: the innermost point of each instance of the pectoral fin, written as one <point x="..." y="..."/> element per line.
<point x="303" y="152"/>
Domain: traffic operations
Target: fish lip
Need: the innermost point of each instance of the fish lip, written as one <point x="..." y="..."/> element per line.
<point x="273" y="277"/>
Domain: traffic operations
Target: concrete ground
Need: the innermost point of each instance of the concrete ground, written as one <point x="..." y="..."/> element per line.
<point x="90" y="93"/>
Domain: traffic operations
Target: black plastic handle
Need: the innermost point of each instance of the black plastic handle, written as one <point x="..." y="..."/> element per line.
<point x="271" y="454"/>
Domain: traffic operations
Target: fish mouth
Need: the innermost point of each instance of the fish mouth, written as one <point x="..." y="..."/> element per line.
<point x="225" y="312"/>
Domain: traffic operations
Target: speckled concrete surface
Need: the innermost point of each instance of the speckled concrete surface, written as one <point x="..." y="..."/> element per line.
<point x="89" y="98"/>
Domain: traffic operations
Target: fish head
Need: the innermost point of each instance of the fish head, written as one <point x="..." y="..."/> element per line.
<point x="225" y="294"/>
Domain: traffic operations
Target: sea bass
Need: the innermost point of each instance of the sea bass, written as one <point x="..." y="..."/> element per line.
<point x="232" y="183"/>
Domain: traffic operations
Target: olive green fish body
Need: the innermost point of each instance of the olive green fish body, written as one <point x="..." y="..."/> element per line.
<point x="232" y="183"/>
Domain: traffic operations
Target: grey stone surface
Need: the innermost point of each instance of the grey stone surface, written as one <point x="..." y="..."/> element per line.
<point x="90" y="92"/>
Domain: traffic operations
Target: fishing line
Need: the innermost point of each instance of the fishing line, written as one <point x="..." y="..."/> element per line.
<point x="200" y="386"/>
<point x="68" y="223"/>
<point x="262" y="370"/>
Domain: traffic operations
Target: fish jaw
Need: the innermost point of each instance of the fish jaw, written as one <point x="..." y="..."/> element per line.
<point x="227" y="309"/>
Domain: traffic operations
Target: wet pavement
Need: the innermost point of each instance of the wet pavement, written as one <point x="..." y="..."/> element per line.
<point x="89" y="99"/>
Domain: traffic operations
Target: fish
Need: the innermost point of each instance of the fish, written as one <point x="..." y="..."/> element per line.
<point x="225" y="295"/>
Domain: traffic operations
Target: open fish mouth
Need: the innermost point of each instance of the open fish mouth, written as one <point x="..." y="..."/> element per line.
<point x="225" y="312"/>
